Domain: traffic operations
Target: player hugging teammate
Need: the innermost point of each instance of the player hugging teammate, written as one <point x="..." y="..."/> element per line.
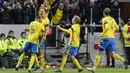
<point x="38" y="30"/>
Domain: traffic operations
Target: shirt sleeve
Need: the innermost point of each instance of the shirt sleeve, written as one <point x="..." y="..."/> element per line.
<point x="70" y="39"/>
<point x="116" y="26"/>
<point x="66" y="30"/>
<point x="103" y="24"/>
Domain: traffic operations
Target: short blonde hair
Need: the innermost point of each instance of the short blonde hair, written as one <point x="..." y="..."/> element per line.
<point x="107" y="11"/>
<point x="77" y="19"/>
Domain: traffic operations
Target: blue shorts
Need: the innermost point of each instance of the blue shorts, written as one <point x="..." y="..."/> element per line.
<point x="108" y="43"/>
<point x="42" y="44"/>
<point x="30" y="46"/>
<point x="72" y="50"/>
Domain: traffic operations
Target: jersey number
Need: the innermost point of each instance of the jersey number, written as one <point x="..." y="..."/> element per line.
<point x="32" y="30"/>
<point x="112" y="26"/>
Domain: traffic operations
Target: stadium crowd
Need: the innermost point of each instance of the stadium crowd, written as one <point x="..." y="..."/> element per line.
<point x="24" y="11"/>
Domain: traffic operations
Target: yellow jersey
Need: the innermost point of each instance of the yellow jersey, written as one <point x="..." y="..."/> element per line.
<point x="74" y="32"/>
<point x="109" y="26"/>
<point x="34" y="33"/>
<point x="45" y="23"/>
<point x="58" y="16"/>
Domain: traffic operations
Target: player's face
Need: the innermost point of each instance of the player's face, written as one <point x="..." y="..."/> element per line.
<point x="43" y="13"/>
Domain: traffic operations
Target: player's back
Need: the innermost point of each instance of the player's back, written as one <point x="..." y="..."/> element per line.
<point x="109" y="24"/>
<point x="75" y="35"/>
<point x="35" y="29"/>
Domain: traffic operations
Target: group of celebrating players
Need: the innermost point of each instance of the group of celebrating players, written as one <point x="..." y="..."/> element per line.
<point x="39" y="29"/>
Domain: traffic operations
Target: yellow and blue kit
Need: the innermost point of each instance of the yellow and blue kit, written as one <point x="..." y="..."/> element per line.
<point x="74" y="41"/>
<point x="33" y="38"/>
<point x="109" y="27"/>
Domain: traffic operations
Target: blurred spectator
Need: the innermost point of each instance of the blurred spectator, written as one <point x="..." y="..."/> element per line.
<point x="126" y="38"/>
<point x="107" y="3"/>
<point x="17" y="13"/>
<point x="27" y="11"/>
<point x="115" y="10"/>
<point x="33" y="13"/>
<point x="73" y="9"/>
<point x="82" y="5"/>
<point x="3" y="45"/>
<point x="22" y="40"/>
<point x="100" y="3"/>
<point x="9" y="55"/>
<point x="96" y="12"/>
<point x="11" y="40"/>
<point x="12" y="45"/>
<point x="58" y="14"/>
<point x="5" y="12"/>
<point x="3" y="48"/>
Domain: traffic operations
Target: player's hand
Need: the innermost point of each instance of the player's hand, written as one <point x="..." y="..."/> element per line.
<point x="44" y="34"/>
<point x="58" y="27"/>
<point x="100" y="36"/>
<point x="26" y="30"/>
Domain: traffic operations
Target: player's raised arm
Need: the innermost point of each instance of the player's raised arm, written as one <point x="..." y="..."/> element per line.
<point x="64" y="30"/>
<point x="70" y="39"/>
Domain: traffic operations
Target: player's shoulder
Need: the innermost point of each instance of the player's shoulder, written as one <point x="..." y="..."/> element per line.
<point x="35" y="22"/>
<point x="32" y="22"/>
<point x="125" y="25"/>
<point x="104" y="19"/>
<point x="112" y="18"/>
<point x="75" y="26"/>
<point x="40" y="24"/>
<point x="47" y="20"/>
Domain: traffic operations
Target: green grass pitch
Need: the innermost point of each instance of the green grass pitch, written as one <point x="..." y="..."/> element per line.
<point x="69" y="70"/>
